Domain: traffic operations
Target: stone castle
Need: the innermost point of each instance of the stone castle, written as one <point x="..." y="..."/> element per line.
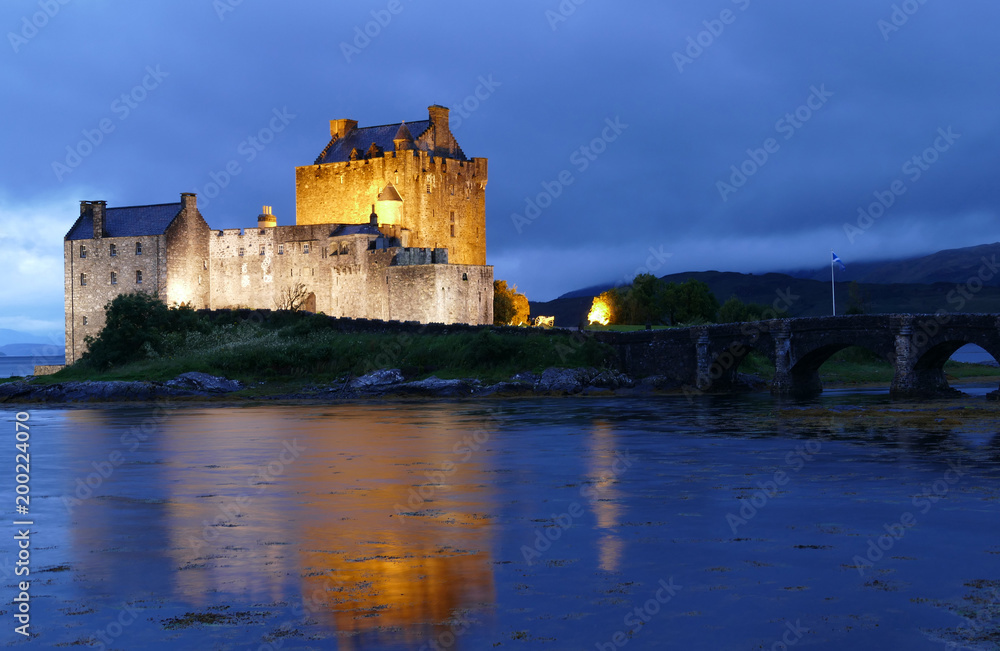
<point x="390" y="224"/>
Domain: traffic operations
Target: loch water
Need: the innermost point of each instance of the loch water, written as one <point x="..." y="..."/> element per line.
<point x="582" y="523"/>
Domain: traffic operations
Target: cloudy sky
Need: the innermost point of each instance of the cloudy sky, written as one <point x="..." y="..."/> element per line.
<point x="622" y="136"/>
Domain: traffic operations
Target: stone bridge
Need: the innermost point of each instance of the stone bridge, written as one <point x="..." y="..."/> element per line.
<point x="706" y="358"/>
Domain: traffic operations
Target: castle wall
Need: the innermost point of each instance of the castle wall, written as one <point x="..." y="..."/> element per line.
<point x="441" y="293"/>
<point x="441" y="196"/>
<point x="88" y="301"/>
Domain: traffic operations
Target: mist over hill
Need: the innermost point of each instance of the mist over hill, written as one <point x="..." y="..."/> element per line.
<point x="957" y="280"/>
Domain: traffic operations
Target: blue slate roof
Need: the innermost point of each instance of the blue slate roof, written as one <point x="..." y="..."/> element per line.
<point x="131" y="221"/>
<point x="355" y="229"/>
<point x="339" y="150"/>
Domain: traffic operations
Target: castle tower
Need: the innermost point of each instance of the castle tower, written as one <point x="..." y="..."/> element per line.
<point x="416" y="173"/>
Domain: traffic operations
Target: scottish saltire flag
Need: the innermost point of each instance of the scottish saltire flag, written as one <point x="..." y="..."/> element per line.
<point x="843" y="267"/>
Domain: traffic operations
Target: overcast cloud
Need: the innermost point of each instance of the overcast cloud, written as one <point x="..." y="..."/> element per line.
<point x="645" y="123"/>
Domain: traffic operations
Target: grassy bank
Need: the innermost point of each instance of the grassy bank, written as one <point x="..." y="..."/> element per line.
<point x="307" y="349"/>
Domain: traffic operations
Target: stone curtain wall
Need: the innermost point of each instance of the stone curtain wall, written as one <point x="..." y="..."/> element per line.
<point x="432" y="188"/>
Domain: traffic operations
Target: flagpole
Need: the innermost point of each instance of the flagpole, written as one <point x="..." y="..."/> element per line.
<point x="833" y="285"/>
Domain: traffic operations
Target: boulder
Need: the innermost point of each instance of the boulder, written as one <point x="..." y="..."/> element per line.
<point x="204" y="383"/>
<point x="380" y="378"/>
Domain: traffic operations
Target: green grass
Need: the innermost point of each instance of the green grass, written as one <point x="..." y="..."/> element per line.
<point x="310" y="351"/>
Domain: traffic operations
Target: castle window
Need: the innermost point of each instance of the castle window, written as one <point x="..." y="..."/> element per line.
<point x="453" y="230"/>
<point x="83" y="250"/>
<point x="114" y="277"/>
<point x="305" y="247"/>
<point x="85" y="321"/>
<point x="281" y="249"/>
<point x="241" y="251"/>
<point x="138" y="277"/>
<point x="114" y="250"/>
<point x="465" y="276"/>
<point x="138" y="248"/>
<point x="452" y="216"/>
<point x="262" y="249"/>
<point x="83" y="280"/>
<point x="204" y="264"/>
<point x="345" y="248"/>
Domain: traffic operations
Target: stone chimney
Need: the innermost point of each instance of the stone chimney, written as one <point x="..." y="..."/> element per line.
<point x="340" y="128"/>
<point x="266" y="218"/>
<point x="373" y="218"/>
<point x="189" y="202"/>
<point x="97" y="211"/>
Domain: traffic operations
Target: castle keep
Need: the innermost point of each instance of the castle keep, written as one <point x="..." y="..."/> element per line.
<point x="390" y="225"/>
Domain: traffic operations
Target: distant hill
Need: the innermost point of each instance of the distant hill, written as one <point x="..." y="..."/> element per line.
<point x="813" y="296"/>
<point x="950" y="266"/>
<point x="18" y="337"/>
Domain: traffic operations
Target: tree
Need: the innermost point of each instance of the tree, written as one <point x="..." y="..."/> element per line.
<point x="509" y="306"/>
<point x="136" y="326"/>
<point x="291" y="298"/>
<point x="690" y="301"/>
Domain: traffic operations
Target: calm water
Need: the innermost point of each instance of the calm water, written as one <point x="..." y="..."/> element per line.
<point x="19" y="366"/>
<point x="527" y="524"/>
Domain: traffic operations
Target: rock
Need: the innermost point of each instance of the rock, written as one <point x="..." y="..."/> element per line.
<point x="526" y="377"/>
<point x="10" y="391"/>
<point x="564" y="380"/>
<point x="608" y="379"/>
<point x="378" y="378"/>
<point x="434" y="386"/>
<point x="204" y="383"/>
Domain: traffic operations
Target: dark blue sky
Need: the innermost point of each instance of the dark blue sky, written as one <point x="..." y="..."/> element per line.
<point x="840" y="97"/>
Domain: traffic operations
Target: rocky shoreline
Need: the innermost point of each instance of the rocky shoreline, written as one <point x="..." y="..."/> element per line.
<point x="385" y="383"/>
<point x="378" y="384"/>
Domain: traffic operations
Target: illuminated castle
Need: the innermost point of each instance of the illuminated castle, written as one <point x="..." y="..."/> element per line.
<point x="390" y="225"/>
